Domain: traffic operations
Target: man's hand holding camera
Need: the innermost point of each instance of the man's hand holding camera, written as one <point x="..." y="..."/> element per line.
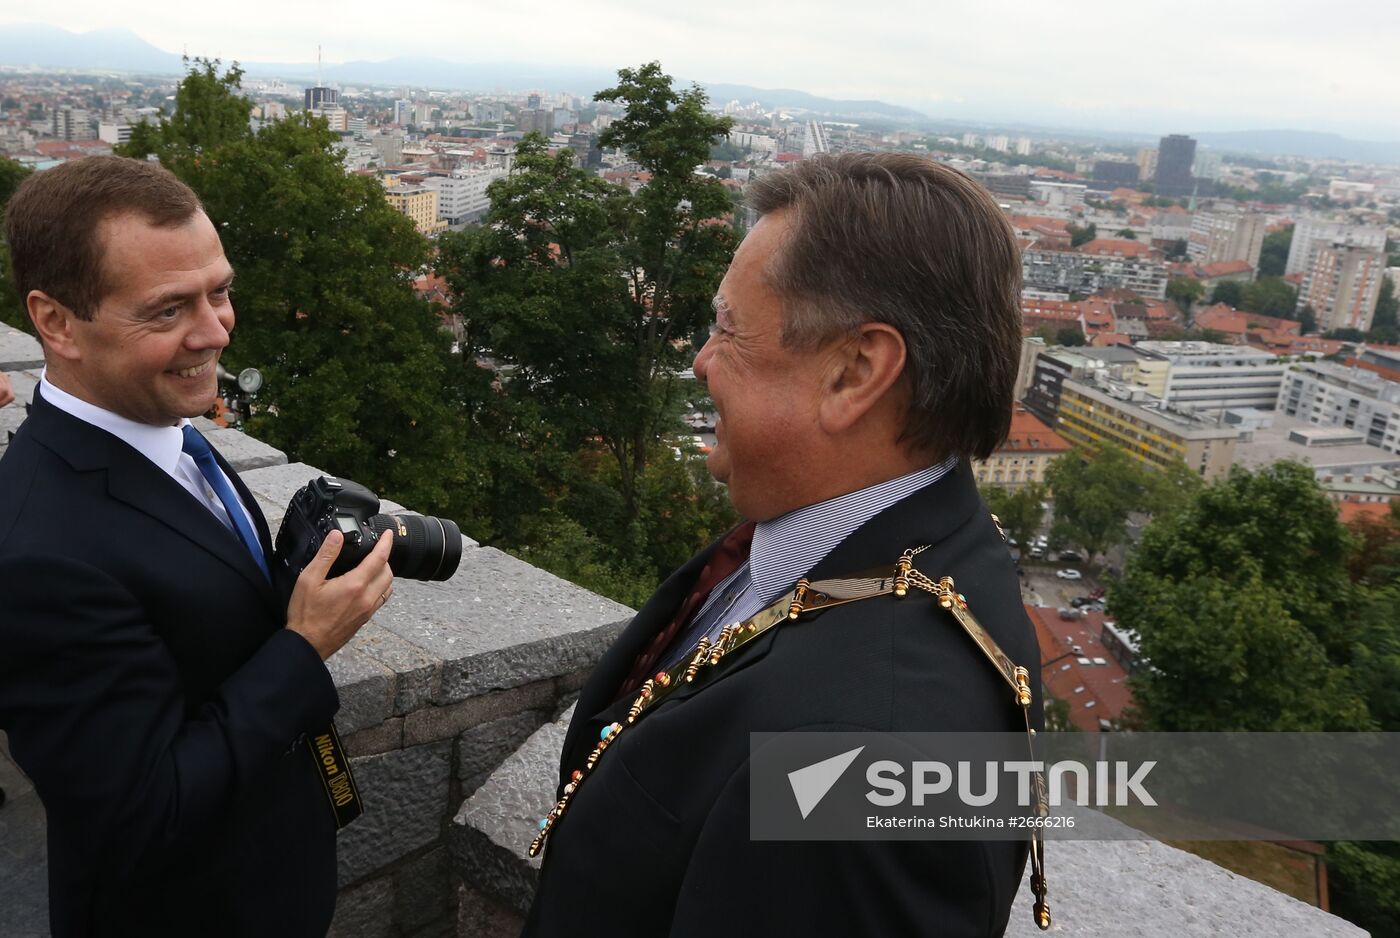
<point x="328" y="612"/>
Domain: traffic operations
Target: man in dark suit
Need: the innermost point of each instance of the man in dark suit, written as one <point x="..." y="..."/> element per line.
<point x="866" y="344"/>
<point x="152" y="683"/>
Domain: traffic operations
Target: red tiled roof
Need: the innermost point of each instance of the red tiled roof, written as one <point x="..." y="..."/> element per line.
<point x="1102" y="688"/>
<point x="1389" y="374"/>
<point x="1030" y="433"/>
<point x="1117" y="247"/>
<point x="1226" y="268"/>
<point x="1105" y="339"/>
<point x="1235" y="322"/>
<point x="1350" y="511"/>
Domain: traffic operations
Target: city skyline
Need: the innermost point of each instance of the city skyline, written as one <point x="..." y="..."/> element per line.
<point x="1103" y="66"/>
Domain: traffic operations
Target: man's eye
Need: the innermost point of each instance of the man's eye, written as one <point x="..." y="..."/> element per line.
<point x="170" y="312"/>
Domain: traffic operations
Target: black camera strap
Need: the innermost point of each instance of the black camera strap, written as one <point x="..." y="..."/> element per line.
<point x="334" y="769"/>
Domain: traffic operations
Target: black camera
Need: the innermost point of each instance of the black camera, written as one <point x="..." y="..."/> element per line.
<point x="425" y="548"/>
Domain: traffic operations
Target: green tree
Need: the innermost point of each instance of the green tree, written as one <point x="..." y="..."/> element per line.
<point x="12" y="311"/>
<point x="592" y="295"/>
<point x="1127" y="233"/>
<point x="1307" y="319"/>
<point x="1178" y="250"/>
<point x="1019" y="511"/>
<point x="1273" y="257"/>
<point x="1185" y="291"/>
<point x="1248" y="580"/>
<point x="1081" y="234"/>
<point x="359" y="373"/>
<point x="1229" y="292"/>
<point x="1384" y="325"/>
<point x="1096" y="492"/>
<point x="1071" y="336"/>
<point x="1271" y="296"/>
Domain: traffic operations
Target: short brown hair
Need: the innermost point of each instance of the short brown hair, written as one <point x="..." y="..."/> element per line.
<point x="900" y="239"/>
<point x="53" y="220"/>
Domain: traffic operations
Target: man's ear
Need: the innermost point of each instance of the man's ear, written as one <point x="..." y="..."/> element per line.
<point x="866" y="367"/>
<point x="55" y="324"/>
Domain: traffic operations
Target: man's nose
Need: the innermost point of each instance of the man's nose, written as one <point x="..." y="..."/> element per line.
<point x="702" y="360"/>
<point x="215" y="324"/>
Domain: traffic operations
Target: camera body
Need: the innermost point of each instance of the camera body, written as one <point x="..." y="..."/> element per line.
<point x="425" y="548"/>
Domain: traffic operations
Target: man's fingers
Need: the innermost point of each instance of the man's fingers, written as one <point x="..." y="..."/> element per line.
<point x="320" y="565"/>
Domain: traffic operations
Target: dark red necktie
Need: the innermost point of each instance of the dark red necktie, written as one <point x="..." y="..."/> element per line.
<point x="728" y="557"/>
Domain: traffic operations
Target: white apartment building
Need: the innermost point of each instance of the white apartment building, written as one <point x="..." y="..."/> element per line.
<point x="1342" y="284"/>
<point x="1311" y="233"/>
<point x="462" y="195"/>
<point x="1217" y="237"/>
<point x="1063" y="272"/>
<point x="1333" y="395"/>
<point x="114" y="132"/>
<point x="1209" y="376"/>
<point x="1023" y="146"/>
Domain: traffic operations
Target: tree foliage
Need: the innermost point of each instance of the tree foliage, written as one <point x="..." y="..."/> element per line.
<point x="1270" y="296"/>
<point x="1273" y="256"/>
<point x="587" y="297"/>
<point x="12" y="311"/>
<point x="1081" y="234"/>
<point x="1096" y="492"/>
<point x="1019" y="511"/>
<point x="358" y="371"/>
<point x="1185" y="291"/>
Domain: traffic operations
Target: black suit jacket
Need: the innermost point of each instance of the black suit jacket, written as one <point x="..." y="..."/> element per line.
<point x="656" y="841"/>
<point x="150" y="692"/>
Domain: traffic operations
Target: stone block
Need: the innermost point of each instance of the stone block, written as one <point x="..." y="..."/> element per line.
<point x="19" y="350"/>
<point x="243" y="452"/>
<point x="421" y="891"/>
<point x="491" y="833"/>
<point x="419" y="673"/>
<point x="481" y="749"/>
<point x="365" y="911"/>
<point x="433" y="723"/>
<point x="365" y="686"/>
<point x="500" y="622"/>
<point x="1147" y="889"/>
<point x="24" y="872"/>
<point x="374" y="740"/>
<point x="405" y="796"/>
<point x="480" y="917"/>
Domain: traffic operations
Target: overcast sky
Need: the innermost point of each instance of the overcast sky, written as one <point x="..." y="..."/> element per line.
<point x="1117" y="64"/>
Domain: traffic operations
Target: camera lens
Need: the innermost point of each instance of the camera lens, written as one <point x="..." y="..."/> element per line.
<point x="425" y="548"/>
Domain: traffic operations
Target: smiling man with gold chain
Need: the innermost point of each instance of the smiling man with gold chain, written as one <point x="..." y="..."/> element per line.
<point x="865" y="347"/>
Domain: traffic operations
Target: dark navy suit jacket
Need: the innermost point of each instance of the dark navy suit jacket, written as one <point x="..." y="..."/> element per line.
<point x="656" y="841"/>
<point x="150" y="691"/>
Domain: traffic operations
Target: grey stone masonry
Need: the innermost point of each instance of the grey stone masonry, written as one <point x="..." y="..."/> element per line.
<point x="491" y="834"/>
<point x="19" y="351"/>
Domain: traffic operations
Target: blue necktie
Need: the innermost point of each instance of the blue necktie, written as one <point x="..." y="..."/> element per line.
<point x="198" y="448"/>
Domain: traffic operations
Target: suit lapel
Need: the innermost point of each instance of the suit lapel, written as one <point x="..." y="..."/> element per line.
<point x="136" y="481"/>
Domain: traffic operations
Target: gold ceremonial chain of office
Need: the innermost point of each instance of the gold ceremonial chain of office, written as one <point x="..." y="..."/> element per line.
<point x="807" y="597"/>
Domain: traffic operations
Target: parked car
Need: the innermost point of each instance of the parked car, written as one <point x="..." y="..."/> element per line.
<point x="1096" y="593"/>
<point x="1069" y="574"/>
<point x="1071" y="614"/>
<point x="1072" y="555"/>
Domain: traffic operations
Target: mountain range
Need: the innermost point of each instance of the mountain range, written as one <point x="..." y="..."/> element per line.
<point x="42" y="46"/>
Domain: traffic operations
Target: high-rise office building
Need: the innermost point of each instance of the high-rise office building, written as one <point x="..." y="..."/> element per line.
<point x="403" y="112"/>
<point x="532" y="102"/>
<point x="1176" y="155"/>
<point x="1217" y="237"/>
<point x="321" y="97"/>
